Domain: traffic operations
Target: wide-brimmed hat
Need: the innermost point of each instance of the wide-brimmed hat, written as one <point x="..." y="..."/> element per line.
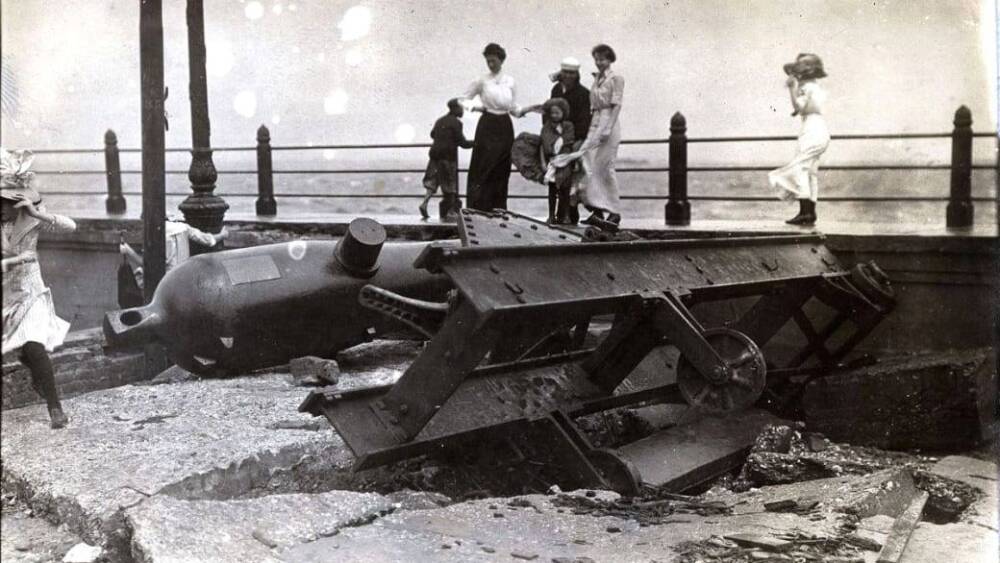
<point x="569" y="64"/>
<point x="15" y="176"/>
<point x="806" y="65"/>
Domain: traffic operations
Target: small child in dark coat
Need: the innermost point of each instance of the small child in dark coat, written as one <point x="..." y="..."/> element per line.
<point x="558" y="137"/>
<point x="442" y="167"/>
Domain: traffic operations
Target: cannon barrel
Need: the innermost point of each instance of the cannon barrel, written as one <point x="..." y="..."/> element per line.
<point x="239" y="310"/>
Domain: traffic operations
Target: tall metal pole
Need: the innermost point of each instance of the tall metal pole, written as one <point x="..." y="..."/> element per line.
<point x="202" y="209"/>
<point x="154" y="205"/>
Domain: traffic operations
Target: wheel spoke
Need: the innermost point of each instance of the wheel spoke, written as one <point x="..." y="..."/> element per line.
<point x="699" y="399"/>
<point x="727" y="401"/>
<point x="744" y="358"/>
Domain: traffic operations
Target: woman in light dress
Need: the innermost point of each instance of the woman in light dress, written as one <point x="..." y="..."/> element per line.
<point x="598" y="190"/>
<point x="30" y="324"/>
<point x="799" y="178"/>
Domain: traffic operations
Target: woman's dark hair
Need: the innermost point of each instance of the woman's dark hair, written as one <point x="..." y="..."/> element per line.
<point x="496" y="50"/>
<point x="604" y="50"/>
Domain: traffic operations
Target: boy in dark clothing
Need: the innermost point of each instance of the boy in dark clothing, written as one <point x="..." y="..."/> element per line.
<point x="558" y="137"/>
<point x="567" y="86"/>
<point x="442" y="167"/>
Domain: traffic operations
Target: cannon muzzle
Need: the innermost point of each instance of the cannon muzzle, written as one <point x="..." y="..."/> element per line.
<point x="131" y="327"/>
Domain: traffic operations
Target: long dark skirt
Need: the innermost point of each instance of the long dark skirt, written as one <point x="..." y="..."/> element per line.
<point x="489" y="171"/>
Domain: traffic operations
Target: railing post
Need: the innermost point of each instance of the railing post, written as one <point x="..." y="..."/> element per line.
<point x="677" y="211"/>
<point x="115" y="202"/>
<point x="202" y="209"/>
<point x="266" y="204"/>
<point x="960" y="210"/>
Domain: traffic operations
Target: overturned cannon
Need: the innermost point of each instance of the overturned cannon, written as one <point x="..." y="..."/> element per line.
<point x="455" y="392"/>
<point x="240" y="310"/>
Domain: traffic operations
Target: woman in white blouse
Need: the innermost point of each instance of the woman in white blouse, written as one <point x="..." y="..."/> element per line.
<point x="489" y="170"/>
<point x="799" y="179"/>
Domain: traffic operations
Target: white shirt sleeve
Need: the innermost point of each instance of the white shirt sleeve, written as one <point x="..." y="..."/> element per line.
<point x="201" y="237"/>
<point x="59" y="224"/>
<point x="468" y="98"/>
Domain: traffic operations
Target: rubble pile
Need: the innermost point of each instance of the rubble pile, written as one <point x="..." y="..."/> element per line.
<point x="794" y="546"/>
<point x="784" y="454"/>
<point x="647" y="510"/>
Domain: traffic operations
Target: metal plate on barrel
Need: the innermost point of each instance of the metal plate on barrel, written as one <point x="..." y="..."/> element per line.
<point x="251" y="269"/>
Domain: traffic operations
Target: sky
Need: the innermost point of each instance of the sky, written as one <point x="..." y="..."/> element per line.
<point x="333" y="71"/>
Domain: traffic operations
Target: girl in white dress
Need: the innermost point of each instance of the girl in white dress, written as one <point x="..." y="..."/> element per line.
<point x="799" y="178"/>
<point x="30" y="324"/>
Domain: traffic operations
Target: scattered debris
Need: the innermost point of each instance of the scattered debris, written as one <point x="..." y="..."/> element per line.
<point x="155" y="419"/>
<point x="83" y="553"/>
<point x="948" y="498"/>
<point x="753" y="548"/>
<point x="310" y="425"/>
<point x="797" y="505"/>
<point x="759" y="542"/>
<point x="646" y="510"/>
<point x="173" y="374"/>
<point x="786" y="454"/>
<point x="264" y="537"/>
<point x="312" y="371"/>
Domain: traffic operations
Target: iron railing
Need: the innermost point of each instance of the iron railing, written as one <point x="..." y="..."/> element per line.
<point x="677" y="207"/>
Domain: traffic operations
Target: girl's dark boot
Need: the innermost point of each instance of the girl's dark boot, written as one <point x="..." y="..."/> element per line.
<point x="802" y="215"/>
<point x="43" y="380"/>
<point x="810" y="216"/>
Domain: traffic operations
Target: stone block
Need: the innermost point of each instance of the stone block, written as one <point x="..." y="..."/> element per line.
<point x="937" y="402"/>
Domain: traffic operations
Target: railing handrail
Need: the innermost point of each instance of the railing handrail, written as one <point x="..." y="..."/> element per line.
<point x="649" y="141"/>
<point x="646" y="197"/>
<point x="764" y="168"/>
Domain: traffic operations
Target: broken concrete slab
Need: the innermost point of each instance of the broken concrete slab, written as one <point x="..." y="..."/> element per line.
<point x="260" y="529"/>
<point x="937" y="402"/>
<point x="885" y="492"/>
<point x="693" y="453"/>
<point x="547" y="528"/>
<point x="959" y="542"/>
<point x="469" y="532"/>
<point x="26" y="539"/>
<point x="200" y="439"/>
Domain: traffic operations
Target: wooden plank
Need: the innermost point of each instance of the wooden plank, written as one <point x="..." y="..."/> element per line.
<point x="902" y="529"/>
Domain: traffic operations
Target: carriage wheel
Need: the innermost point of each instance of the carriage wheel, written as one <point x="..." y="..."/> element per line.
<point x="745" y="381"/>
